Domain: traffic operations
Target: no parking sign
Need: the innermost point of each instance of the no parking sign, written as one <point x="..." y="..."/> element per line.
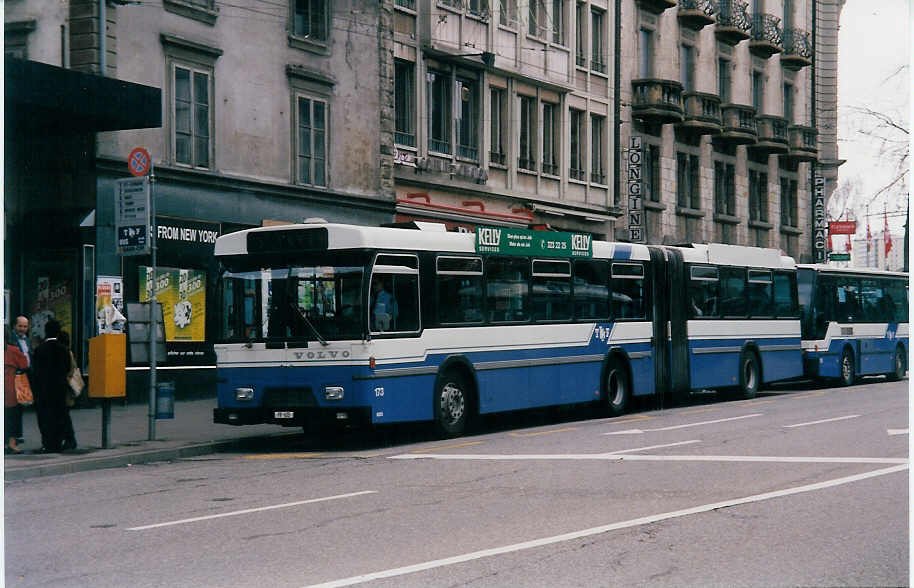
<point x="139" y="162"/>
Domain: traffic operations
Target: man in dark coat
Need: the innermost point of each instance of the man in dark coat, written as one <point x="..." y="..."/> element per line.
<point x="50" y="366"/>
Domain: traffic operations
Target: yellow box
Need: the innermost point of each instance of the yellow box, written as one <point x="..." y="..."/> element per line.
<point x="108" y="366"/>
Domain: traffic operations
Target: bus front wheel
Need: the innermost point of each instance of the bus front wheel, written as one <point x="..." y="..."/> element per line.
<point x="898" y="362"/>
<point x="451" y="404"/>
<point x="749" y="375"/>
<point x="618" y="388"/>
<point x="848" y="377"/>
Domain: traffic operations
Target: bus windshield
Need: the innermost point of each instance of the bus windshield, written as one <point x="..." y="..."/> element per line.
<point x="304" y="300"/>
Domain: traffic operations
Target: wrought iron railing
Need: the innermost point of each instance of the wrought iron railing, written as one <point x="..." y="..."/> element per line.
<point x="597" y="178"/>
<point x="708" y="7"/>
<point x="797" y="42"/>
<point x="411" y="4"/>
<point x="550" y="169"/>
<point x="597" y="65"/>
<point x="496" y="157"/>
<point x="467" y="152"/>
<point x="733" y="13"/>
<point x="577" y="174"/>
<point x="581" y="59"/>
<point x="406" y="139"/>
<point x="439" y="146"/>
<point x="766" y="28"/>
<point x="526" y="164"/>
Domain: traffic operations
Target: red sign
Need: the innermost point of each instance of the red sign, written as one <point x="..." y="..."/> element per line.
<point x="842" y="227"/>
<point x="139" y="162"/>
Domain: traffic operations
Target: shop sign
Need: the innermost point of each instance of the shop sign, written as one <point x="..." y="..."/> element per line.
<point x="842" y="227"/>
<point x="635" y="209"/>
<point x="131" y="209"/>
<point x="510" y="241"/>
<point x="820" y="224"/>
<point x="182" y="237"/>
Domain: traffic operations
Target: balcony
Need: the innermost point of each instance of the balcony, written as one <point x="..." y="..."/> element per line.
<point x="739" y="126"/>
<point x="797" y="49"/>
<point x="657" y="101"/>
<point x="772" y="135"/>
<point x="766" y="35"/>
<point x="803" y="143"/>
<point x="656" y="6"/>
<point x="733" y="24"/>
<point x="702" y="113"/>
<point x="697" y="14"/>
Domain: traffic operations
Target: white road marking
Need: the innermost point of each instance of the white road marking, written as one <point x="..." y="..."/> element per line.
<point x="457" y="559"/>
<point x="897" y="431"/>
<point x="624" y="457"/>
<point x="654" y="447"/>
<point x="842" y="418"/>
<point x="250" y="510"/>
<point x="687" y="425"/>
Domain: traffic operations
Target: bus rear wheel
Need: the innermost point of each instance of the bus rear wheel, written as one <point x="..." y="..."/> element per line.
<point x="898" y="362"/>
<point x="749" y="375"/>
<point x="848" y="377"/>
<point x="451" y="404"/>
<point x="618" y="389"/>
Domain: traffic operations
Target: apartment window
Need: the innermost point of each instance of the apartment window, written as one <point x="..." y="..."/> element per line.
<point x="650" y="172"/>
<point x="725" y="188"/>
<point x="478" y="8"/>
<point x="527" y="153"/>
<point x="405" y="105"/>
<point x="758" y="91"/>
<point x="687" y="172"/>
<point x="507" y="12"/>
<point x="312" y="141"/>
<point x="788" y="14"/>
<point x="192" y="129"/>
<point x="578" y="136"/>
<point x="724" y="81"/>
<point x="687" y="67"/>
<point x="789" y="211"/>
<point x="597" y="45"/>
<point x="788" y="102"/>
<point x="550" y="142"/>
<point x="558" y="22"/>
<point x="597" y="165"/>
<point x="467" y="119"/>
<point x="535" y="18"/>
<point x="310" y="19"/>
<point x="646" y="54"/>
<point x="497" y="129"/>
<point x="580" y="35"/>
<point x="439" y="112"/>
<point x="758" y="196"/>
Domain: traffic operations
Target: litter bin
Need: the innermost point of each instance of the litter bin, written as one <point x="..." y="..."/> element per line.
<point x="165" y="400"/>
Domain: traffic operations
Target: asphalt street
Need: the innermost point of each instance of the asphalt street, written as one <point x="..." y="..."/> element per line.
<point x="800" y="486"/>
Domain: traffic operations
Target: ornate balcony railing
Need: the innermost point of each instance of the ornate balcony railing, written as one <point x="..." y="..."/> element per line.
<point x="797" y="49"/>
<point x="696" y="14"/>
<point x="496" y="158"/>
<point x="766" y="35"/>
<point x="406" y="139"/>
<point x="803" y="143"/>
<point x="733" y="24"/>
<point x="701" y="113"/>
<point x="739" y="125"/>
<point x="656" y="6"/>
<point x="657" y="101"/>
<point x="772" y="134"/>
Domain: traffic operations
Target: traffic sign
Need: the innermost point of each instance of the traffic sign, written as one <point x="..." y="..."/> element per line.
<point x="132" y="216"/>
<point x="839" y="257"/>
<point x="139" y="162"/>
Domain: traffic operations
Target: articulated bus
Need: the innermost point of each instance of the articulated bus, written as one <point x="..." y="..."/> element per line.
<point x="855" y="322"/>
<point x="380" y="325"/>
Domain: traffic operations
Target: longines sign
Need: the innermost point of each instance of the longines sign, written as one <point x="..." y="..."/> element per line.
<point x="635" y="210"/>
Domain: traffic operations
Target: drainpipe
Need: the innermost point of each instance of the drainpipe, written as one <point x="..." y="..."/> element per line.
<point x="103" y="38"/>
<point x="815" y="123"/>
<point x="617" y="81"/>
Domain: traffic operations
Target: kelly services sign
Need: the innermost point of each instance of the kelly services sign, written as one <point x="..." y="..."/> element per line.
<point x="510" y="241"/>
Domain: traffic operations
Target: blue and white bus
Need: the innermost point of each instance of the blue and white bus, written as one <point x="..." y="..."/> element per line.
<point x="385" y="325"/>
<point x="855" y="322"/>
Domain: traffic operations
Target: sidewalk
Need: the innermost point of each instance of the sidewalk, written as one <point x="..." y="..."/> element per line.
<point x="192" y="432"/>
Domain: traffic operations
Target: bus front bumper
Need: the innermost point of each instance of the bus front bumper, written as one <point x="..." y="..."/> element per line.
<point x="297" y="416"/>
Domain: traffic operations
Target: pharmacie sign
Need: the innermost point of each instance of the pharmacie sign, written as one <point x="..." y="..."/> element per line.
<point x="510" y="241"/>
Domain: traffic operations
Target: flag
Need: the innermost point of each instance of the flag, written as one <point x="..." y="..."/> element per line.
<point x="886" y="235"/>
<point x="869" y="235"/>
<point x="848" y="246"/>
<point x="830" y="246"/>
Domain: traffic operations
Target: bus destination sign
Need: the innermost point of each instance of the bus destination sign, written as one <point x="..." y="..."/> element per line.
<point x="510" y="241"/>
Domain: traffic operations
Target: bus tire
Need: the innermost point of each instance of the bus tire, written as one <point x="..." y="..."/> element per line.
<point x="848" y="375"/>
<point x="617" y="388"/>
<point x="750" y="375"/>
<point x="452" y="402"/>
<point x="900" y="365"/>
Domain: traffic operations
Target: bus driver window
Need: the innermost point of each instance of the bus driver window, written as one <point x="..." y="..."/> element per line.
<point x="383" y="305"/>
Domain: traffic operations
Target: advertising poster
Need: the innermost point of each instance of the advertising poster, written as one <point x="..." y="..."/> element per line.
<point x="109" y="304"/>
<point x="182" y="294"/>
<point x="55" y="300"/>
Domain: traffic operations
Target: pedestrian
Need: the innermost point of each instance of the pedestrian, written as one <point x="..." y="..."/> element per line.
<point x="69" y="439"/>
<point x="24" y="342"/>
<point x="13" y="361"/>
<point x="50" y="366"/>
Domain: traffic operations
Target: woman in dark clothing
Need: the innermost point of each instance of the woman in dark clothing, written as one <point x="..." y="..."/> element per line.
<point x="69" y="438"/>
<point x="13" y="359"/>
<point x="50" y="366"/>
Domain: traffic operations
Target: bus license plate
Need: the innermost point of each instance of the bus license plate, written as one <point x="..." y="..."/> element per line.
<point x="283" y="414"/>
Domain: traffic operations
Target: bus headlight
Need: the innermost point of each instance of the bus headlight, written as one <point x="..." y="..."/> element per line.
<point x="244" y="394"/>
<point x="333" y="393"/>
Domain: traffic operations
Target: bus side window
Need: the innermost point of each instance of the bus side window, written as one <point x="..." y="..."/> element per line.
<point x="628" y="291"/>
<point x="847" y="309"/>
<point x="703" y="292"/>
<point x="785" y="301"/>
<point x="897" y="295"/>
<point x="733" y="292"/>
<point x="507" y="289"/>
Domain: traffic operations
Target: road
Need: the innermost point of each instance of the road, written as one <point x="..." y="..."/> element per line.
<point x="800" y="486"/>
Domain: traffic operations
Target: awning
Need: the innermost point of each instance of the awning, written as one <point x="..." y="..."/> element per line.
<point x="38" y="95"/>
<point x="594" y="217"/>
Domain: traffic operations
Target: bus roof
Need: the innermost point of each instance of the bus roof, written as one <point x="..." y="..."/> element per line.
<point x="737" y="255"/>
<point x="862" y="271"/>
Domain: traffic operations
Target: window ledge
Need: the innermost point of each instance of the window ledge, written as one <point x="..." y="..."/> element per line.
<point x="527" y="172"/>
<point x="788" y="230"/>
<point x="311" y="46"/>
<point x="690" y="212"/>
<point x="726" y="219"/>
<point x="194" y="11"/>
<point x="754" y="224"/>
<point x="651" y="205"/>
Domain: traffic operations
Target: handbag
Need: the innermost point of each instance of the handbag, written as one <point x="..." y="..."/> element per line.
<point x="23" y="390"/>
<point x="75" y="380"/>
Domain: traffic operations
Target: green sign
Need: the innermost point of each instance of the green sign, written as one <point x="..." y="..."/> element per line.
<point x="839" y="257"/>
<point x="509" y="241"/>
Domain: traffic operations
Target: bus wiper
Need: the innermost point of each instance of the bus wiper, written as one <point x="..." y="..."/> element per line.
<point x="307" y="321"/>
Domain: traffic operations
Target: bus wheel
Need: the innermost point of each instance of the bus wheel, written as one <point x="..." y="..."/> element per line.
<point x="451" y="402"/>
<point x="749" y="375"/>
<point x="618" y="388"/>
<point x="899" y="363"/>
<point x="847" y="368"/>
